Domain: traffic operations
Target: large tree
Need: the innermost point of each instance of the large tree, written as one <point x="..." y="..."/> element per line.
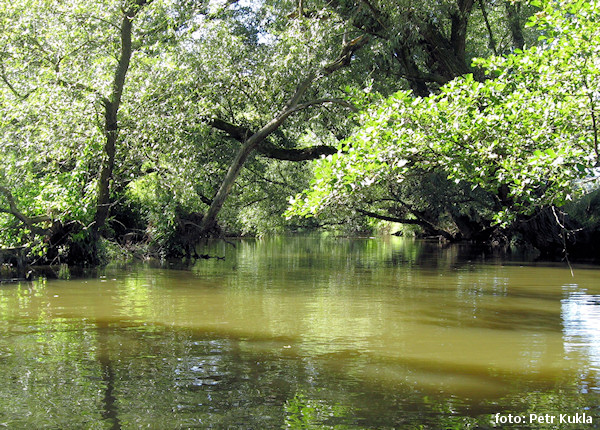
<point x="65" y="72"/>
<point x="504" y="152"/>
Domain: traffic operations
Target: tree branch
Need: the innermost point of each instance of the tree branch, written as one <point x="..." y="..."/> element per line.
<point x="205" y="199"/>
<point x="376" y="13"/>
<point x="489" y="27"/>
<point x="420" y="222"/>
<point x="83" y="87"/>
<point x="514" y="23"/>
<point x="346" y="54"/>
<point x="270" y="150"/>
<point x="10" y="86"/>
<point x="14" y="211"/>
<point x="390" y="218"/>
<point x="237" y="132"/>
<point x="295" y="154"/>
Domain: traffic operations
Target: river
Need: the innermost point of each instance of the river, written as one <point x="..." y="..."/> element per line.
<point x="306" y="332"/>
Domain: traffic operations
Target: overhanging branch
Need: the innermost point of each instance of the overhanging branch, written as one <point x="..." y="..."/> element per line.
<point x="237" y="132"/>
<point x="346" y="54"/>
<point x="270" y="150"/>
<point x="420" y="222"/>
<point x="295" y="154"/>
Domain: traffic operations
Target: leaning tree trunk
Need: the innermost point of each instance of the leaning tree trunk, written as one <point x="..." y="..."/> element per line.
<point x="250" y="145"/>
<point x="293" y="105"/>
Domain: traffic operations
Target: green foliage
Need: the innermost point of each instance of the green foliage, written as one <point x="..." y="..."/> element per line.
<point x="193" y="62"/>
<point x="56" y="62"/>
<point x="58" y="65"/>
<point x="526" y="136"/>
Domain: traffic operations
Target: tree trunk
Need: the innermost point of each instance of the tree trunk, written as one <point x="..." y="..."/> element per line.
<point x="412" y="74"/>
<point x="446" y="57"/>
<point x="111" y="133"/>
<point x="458" y="31"/>
<point x="514" y="23"/>
<point x="293" y="105"/>
<point x="111" y="111"/>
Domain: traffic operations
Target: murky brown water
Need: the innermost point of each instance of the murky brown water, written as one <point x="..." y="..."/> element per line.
<point x="306" y="333"/>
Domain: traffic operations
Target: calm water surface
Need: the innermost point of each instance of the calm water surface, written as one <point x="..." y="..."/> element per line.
<point x="305" y="333"/>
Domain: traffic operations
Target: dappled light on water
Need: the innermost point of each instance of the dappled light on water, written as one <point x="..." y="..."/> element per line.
<point x="362" y="332"/>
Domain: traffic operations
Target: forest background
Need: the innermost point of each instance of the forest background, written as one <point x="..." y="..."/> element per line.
<point x="148" y="125"/>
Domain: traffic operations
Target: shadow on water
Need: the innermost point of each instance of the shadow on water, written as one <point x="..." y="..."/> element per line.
<point x="302" y="333"/>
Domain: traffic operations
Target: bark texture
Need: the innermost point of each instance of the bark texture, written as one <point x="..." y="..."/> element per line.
<point x="111" y="111"/>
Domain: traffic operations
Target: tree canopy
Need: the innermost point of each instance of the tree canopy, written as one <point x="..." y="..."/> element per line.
<point x="164" y="121"/>
<point x="496" y="150"/>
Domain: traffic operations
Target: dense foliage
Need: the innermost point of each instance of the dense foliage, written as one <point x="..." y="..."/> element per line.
<point x="480" y="153"/>
<point x="159" y="122"/>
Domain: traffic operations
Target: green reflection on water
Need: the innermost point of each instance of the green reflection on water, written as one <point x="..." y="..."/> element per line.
<point x="303" y="333"/>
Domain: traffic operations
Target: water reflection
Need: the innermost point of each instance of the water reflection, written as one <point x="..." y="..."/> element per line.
<point x="581" y="316"/>
<point x="335" y="332"/>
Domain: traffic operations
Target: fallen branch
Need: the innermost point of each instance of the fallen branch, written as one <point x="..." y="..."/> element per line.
<point x="422" y="223"/>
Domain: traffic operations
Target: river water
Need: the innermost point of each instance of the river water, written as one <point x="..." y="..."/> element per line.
<point x="306" y="332"/>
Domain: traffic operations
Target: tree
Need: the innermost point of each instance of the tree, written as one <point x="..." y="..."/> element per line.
<point x="64" y="70"/>
<point x="48" y="146"/>
<point x="111" y="104"/>
<point x="428" y="44"/>
<point x="526" y="137"/>
<point x="292" y="105"/>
